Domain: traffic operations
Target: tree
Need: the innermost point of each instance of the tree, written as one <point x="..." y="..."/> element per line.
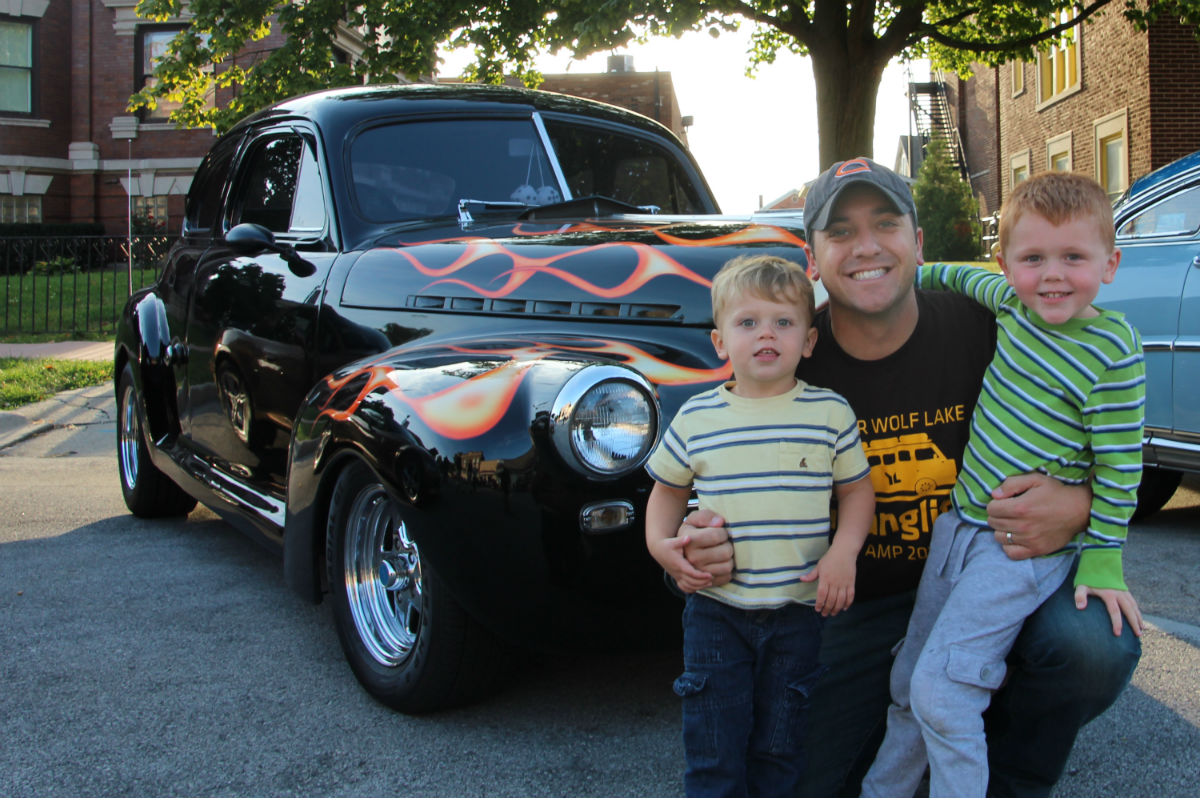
<point x="946" y="210"/>
<point x="850" y="43"/>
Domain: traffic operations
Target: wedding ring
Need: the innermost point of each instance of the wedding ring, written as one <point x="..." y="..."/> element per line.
<point x="1008" y="537"/>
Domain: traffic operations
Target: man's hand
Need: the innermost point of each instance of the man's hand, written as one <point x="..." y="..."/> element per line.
<point x="1033" y="514"/>
<point x="1117" y="602"/>
<point x="707" y="546"/>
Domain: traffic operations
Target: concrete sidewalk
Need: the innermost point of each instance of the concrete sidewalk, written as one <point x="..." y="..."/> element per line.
<point x="92" y="405"/>
<point x="71" y="351"/>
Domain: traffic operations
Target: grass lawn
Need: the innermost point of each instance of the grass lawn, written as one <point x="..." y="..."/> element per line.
<point x="76" y="305"/>
<point x="27" y="380"/>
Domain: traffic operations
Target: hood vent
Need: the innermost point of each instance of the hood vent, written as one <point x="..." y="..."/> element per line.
<point x="642" y="312"/>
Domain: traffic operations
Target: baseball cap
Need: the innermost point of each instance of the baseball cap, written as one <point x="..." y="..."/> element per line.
<point x="825" y="190"/>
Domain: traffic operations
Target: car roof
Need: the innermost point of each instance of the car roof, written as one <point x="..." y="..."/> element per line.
<point x="1163" y="174"/>
<point x="344" y="106"/>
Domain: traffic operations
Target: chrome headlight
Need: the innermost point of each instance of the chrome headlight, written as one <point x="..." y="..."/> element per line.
<point x="605" y="421"/>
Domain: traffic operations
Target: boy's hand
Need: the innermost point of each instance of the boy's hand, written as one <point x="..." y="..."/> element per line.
<point x="835" y="576"/>
<point x="669" y="554"/>
<point x="1117" y="602"/>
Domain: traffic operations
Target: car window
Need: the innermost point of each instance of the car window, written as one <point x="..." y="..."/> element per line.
<point x="280" y="187"/>
<point x="204" y="196"/>
<point x="624" y="167"/>
<point x="1176" y="215"/>
<point x="415" y="170"/>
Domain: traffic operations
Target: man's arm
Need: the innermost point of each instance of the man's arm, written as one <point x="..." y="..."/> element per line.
<point x="1042" y="514"/>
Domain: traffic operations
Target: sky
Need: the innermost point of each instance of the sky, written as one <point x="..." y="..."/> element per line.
<point x="754" y="138"/>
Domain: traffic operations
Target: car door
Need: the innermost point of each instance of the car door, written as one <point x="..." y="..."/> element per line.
<point x="1159" y="249"/>
<point x="252" y="321"/>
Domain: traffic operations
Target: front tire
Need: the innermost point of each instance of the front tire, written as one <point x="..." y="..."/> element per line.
<point x="147" y="491"/>
<point x="409" y="643"/>
<point x="1157" y="487"/>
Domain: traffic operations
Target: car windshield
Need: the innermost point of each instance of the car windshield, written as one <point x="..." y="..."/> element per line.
<point x="421" y="169"/>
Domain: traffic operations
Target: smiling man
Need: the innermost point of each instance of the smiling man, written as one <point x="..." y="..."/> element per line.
<point x="910" y="363"/>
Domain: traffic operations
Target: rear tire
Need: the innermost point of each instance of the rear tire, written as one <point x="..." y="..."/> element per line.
<point x="147" y="491"/>
<point x="1157" y="488"/>
<point x="409" y="643"/>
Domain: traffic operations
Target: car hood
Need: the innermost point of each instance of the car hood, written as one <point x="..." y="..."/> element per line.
<point x="631" y="268"/>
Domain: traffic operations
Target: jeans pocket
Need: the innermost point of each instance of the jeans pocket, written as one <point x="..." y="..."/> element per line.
<point x="689" y="684"/>
<point x="975" y="668"/>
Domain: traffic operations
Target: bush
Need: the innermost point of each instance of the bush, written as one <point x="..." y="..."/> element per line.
<point x="946" y="209"/>
<point x="61" y="265"/>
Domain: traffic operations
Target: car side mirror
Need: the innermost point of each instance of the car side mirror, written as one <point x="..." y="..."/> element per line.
<point x="250" y="239"/>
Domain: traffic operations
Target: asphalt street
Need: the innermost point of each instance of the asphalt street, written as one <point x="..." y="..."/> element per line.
<point x="169" y="659"/>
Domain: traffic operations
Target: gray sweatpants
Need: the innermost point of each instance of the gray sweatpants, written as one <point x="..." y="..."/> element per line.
<point x="970" y="607"/>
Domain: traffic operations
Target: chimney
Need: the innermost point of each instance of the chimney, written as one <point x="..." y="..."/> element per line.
<point x="620" y="63"/>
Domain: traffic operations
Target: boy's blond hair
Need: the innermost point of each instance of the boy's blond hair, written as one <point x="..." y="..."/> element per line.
<point x="768" y="277"/>
<point x="1058" y="197"/>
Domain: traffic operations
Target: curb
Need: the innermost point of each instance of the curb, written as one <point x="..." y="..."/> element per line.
<point x="91" y="405"/>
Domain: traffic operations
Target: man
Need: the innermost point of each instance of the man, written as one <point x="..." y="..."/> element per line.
<point x="911" y="363"/>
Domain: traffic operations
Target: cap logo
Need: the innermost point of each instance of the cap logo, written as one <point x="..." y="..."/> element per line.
<point x="851" y="167"/>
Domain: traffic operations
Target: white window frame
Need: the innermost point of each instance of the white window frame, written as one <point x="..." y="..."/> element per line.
<point x="1060" y="58"/>
<point x="1021" y="162"/>
<point x="1060" y="146"/>
<point x="1104" y="130"/>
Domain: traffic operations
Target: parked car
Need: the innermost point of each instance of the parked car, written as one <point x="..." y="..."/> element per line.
<point x="1157" y="287"/>
<point x="422" y="339"/>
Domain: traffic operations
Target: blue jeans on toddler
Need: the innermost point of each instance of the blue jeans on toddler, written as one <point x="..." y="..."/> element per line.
<point x="745" y="687"/>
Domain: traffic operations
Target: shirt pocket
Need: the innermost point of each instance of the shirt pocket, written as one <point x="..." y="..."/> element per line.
<point x="806" y="458"/>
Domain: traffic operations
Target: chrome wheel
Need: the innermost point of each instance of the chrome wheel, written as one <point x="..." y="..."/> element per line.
<point x="383" y="581"/>
<point x="129" y="436"/>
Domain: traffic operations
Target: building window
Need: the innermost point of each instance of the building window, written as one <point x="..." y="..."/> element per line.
<point x="25" y="208"/>
<point x="1017" y="71"/>
<point x="153" y="208"/>
<point x="1058" y="153"/>
<point x="16" y="67"/>
<point x="1058" y="66"/>
<point x="1111" y="142"/>
<point x="1018" y="169"/>
<point x="152" y="42"/>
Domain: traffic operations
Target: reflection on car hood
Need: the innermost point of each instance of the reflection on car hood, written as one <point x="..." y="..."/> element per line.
<point x="634" y="268"/>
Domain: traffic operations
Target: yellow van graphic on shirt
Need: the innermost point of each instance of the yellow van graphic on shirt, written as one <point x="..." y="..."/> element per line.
<point x="903" y="467"/>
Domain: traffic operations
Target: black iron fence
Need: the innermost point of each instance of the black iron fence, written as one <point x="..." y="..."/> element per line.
<point x="73" y="285"/>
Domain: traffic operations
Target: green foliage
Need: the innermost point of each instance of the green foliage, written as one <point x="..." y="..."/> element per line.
<point x="56" y="266"/>
<point x="850" y="42"/>
<point x="946" y="209"/>
<point x="27" y="380"/>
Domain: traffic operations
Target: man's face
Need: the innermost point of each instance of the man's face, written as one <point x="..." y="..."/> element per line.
<point x="867" y="256"/>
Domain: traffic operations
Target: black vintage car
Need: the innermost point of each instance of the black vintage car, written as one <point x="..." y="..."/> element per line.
<point x="422" y="339"/>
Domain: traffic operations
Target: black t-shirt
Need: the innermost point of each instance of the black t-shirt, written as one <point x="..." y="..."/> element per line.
<point x="914" y="413"/>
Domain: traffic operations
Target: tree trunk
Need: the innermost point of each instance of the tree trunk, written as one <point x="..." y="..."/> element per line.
<point x="846" y="92"/>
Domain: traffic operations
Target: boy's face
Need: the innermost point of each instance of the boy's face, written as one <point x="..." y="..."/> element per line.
<point x="868" y="254"/>
<point x="1056" y="270"/>
<point x="764" y="340"/>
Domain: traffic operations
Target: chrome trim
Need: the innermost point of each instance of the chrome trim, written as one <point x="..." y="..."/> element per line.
<point x="569" y="396"/>
<point x="250" y="499"/>
<point x="552" y="154"/>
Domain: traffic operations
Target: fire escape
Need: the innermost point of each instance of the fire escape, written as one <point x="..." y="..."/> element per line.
<point x="931" y="112"/>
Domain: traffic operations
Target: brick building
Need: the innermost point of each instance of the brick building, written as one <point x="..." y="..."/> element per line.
<point x="71" y="152"/>
<point x="1114" y="104"/>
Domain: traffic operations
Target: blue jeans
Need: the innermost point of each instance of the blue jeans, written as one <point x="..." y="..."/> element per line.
<point x="745" y="686"/>
<point x="1065" y="669"/>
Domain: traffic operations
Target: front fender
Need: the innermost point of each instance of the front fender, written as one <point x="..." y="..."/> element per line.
<point x="462" y="435"/>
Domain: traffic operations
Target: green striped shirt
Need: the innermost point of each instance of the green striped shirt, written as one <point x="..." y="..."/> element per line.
<point x="1065" y="400"/>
